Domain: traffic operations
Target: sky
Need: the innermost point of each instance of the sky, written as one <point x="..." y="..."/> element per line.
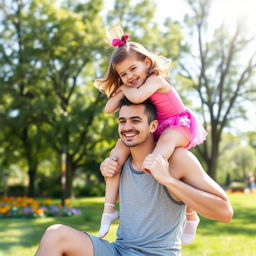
<point x="229" y="12"/>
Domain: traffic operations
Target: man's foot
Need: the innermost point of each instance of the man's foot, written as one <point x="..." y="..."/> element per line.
<point x="189" y="228"/>
<point x="110" y="215"/>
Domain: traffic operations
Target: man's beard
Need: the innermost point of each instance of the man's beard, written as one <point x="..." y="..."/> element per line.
<point x="133" y="144"/>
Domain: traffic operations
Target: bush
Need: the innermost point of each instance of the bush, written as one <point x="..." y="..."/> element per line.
<point x="17" y="190"/>
<point x="25" y="207"/>
<point x="90" y="190"/>
<point x="48" y="186"/>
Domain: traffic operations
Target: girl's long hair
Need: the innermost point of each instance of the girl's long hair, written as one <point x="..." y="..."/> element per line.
<point x="112" y="81"/>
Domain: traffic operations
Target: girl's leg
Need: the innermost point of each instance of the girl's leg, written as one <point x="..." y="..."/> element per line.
<point x="190" y="226"/>
<point x="110" y="214"/>
<point x="184" y="160"/>
<point x="120" y="152"/>
<point x="170" y="139"/>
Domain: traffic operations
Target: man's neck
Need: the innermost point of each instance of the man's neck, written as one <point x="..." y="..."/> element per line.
<point x="139" y="153"/>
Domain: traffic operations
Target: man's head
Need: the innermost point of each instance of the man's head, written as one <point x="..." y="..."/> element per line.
<point x="137" y="122"/>
<point x="149" y="108"/>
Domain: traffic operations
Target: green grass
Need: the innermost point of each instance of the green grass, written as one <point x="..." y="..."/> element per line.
<point x="20" y="237"/>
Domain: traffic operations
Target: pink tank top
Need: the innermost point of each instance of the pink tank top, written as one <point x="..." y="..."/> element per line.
<point x="167" y="103"/>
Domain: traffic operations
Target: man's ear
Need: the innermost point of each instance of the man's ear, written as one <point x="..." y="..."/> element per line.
<point x="153" y="126"/>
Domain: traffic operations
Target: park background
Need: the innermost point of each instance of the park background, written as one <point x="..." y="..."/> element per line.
<point x="52" y="121"/>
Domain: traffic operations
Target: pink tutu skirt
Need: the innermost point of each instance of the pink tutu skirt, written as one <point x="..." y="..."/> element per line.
<point x="193" y="128"/>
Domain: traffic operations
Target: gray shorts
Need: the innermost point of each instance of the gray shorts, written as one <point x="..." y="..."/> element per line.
<point x="102" y="247"/>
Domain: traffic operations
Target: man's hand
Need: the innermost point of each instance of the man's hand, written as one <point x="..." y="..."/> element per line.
<point x="110" y="167"/>
<point x="158" y="166"/>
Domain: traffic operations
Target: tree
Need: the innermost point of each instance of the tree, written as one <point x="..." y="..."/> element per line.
<point x="251" y="139"/>
<point x="70" y="42"/>
<point x="43" y="64"/>
<point x="241" y="161"/>
<point x="137" y="20"/>
<point x="23" y="109"/>
<point x="50" y="53"/>
<point x="214" y="66"/>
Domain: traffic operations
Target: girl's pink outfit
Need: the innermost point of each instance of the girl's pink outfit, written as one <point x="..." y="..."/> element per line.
<point x="172" y="113"/>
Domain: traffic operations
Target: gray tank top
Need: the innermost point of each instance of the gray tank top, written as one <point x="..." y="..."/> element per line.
<point x="150" y="219"/>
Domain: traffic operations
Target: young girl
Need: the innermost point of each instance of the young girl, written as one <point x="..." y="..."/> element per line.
<point x="138" y="74"/>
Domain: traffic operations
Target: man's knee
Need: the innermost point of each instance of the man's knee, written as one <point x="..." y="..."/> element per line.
<point x="55" y="227"/>
<point x="55" y="232"/>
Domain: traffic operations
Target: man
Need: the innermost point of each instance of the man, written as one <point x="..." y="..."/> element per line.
<point x="152" y="206"/>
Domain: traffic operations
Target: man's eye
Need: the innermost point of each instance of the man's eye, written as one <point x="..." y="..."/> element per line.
<point x="133" y="68"/>
<point x="121" y="122"/>
<point x="136" y="121"/>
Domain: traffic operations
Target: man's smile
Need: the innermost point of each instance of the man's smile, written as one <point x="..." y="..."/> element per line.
<point x="129" y="134"/>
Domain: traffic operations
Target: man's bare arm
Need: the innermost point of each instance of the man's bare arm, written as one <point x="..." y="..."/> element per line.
<point x="188" y="182"/>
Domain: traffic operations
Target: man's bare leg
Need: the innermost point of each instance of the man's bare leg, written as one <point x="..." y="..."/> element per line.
<point x="60" y="240"/>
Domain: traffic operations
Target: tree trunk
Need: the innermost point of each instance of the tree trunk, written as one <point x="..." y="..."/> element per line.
<point x="31" y="185"/>
<point x="214" y="153"/>
<point x="211" y="166"/>
<point x="69" y="178"/>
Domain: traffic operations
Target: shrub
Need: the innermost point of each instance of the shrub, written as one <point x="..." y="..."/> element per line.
<point x="90" y="190"/>
<point x="25" y="207"/>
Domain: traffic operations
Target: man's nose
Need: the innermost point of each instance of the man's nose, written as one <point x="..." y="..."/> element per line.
<point x="127" y="126"/>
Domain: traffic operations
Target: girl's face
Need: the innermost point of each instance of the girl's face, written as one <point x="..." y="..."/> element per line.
<point x="133" y="72"/>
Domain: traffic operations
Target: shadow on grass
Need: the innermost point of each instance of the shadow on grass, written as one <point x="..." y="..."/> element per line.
<point x="28" y="232"/>
<point x="243" y="223"/>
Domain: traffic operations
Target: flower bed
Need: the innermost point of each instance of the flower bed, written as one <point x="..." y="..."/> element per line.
<point x="25" y="207"/>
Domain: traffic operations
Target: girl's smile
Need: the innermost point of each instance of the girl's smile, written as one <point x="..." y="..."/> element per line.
<point x="132" y="71"/>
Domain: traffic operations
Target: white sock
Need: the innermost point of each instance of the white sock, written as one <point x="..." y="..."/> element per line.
<point x="189" y="230"/>
<point x="106" y="220"/>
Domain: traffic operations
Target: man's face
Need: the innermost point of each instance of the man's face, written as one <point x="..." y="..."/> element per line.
<point x="133" y="127"/>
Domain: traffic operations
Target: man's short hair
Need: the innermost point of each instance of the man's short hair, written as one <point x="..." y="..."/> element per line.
<point x="150" y="109"/>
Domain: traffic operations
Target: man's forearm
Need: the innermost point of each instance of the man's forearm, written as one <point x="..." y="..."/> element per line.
<point x="206" y="204"/>
<point x="198" y="190"/>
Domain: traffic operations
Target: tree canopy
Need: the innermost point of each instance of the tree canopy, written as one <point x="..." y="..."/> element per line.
<point x="214" y="67"/>
<point x="52" y="51"/>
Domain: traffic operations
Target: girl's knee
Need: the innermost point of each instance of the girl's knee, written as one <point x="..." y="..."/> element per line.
<point x="175" y="137"/>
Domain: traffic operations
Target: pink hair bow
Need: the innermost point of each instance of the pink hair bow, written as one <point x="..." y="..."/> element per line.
<point x="120" y="42"/>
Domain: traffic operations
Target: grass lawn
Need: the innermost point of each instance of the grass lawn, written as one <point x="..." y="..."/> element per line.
<point x="20" y="237"/>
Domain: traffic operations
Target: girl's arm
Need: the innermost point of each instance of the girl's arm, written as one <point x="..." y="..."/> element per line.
<point x="152" y="84"/>
<point x="112" y="104"/>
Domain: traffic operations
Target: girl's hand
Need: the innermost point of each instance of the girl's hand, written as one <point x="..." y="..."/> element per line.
<point x="113" y="102"/>
<point x="118" y="90"/>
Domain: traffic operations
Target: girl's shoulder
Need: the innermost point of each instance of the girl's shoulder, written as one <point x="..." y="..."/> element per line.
<point x="163" y="84"/>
